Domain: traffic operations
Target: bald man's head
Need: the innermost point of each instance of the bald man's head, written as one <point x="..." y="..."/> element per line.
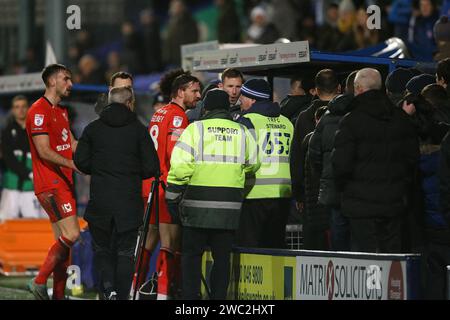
<point x="367" y="79"/>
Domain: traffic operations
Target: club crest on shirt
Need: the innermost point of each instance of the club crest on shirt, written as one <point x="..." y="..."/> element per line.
<point x="38" y="119"/>
<point x="177" y="121"/>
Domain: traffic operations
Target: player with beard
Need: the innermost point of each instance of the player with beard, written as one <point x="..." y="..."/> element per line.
<point x="165" y="128"/>
<point x="52" y="146"/>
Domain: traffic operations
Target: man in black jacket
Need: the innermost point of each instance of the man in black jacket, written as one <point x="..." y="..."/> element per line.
<point x="320" y="148"/>
<point x="299" y="99"/>
<point x="316" y="217"/>
<point x="438" y="253"/>
<point x="443" y="74"/>
<point x="376" y="150"/>
<point x="117" y="151"/>
<point x="327" y="87"/>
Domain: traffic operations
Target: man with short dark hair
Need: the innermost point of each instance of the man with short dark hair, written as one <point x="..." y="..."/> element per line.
<point x="300" y="97"/>
<point x="232" y="80"/>
<point x="118" y="153"/>
<point x="349" y="83"/>
<point x="121" y="79"/>
<point x="18" y="199"/>
<point x="443" y="74"/>
<point x="327" y="87"/>
<point x="436" y="95"/>
<point x="118" y="79"/>
<point x="52" y="145"/>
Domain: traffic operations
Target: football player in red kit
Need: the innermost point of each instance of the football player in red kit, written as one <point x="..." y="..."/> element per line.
<point x="165" y="128"/>
<point x="52" y="145"/>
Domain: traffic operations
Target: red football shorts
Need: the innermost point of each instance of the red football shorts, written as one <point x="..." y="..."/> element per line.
<point x="164" y="215"/>
<point x="58" y="203"/>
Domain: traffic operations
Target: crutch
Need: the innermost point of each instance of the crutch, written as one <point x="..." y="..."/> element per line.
<point x="153" y="199"/>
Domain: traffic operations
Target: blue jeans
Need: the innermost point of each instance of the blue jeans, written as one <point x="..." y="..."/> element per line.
<point x="340" y="231"/>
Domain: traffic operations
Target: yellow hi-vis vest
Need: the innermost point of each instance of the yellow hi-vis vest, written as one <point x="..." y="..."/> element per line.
<point x="211" y="158"/>
<point x="273" y="136"/>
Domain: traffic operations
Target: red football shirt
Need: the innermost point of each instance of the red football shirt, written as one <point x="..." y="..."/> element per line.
<point x="45" y="118"/>
<point x="166" y="126"/>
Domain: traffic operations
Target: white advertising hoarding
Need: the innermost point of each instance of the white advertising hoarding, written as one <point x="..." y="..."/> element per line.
<point x="332" y="278"/>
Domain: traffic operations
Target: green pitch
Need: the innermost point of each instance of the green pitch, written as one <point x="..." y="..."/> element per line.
<point x="15" y="288"/>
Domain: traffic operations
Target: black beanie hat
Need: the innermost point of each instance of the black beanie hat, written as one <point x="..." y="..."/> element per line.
<point x="216" y="99"/>
<point x="257" y="89"/>
<point x="416" y="84"/>
<point x="396" y="80"/>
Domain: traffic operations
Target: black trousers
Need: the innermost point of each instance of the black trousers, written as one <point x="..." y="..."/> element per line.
<point x="114" y="259"/>
<point x="263" y="223"/>
<point x="195" y="242"/>
<point x="377" y="235"/>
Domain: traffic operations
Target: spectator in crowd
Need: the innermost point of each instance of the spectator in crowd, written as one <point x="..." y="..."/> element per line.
<point x="114" y="64"/>
<point x="420" y="34"/>
<point x="151" y="41"/>
<point x="316" y="217"/>
<point x="182" y="29"/>
<point x="232" y="80"/>
<point x="442" y="37"/>
<point x="18" y="199"/>
<point x="350" y="83"/>
<point x="438" y="225"/>
<point x="362" y="35"/>
<point x="32" y="62"/>
<point x="396" y="84"/>
<point x="345" y="25"/>
<point x="376" y="150"/>
<point x="399" y="15"/>
<point x="436" y="95"/>
<point x="261" y="30"/>
<point x="417" y="83"/>
<point x="73" y="56"/>
<point x="228" y="24"/>
<point x="328" y="35"/>
<point x="83" y="41"/>
<point x="114" y="212"/>
<point x="327" y="87"/>
<point x="286" y="17"/>
<point x="308" y="30"/>
<point x="320" y="148"/>
<point x="443" y="74"/>
<point x="299" y="98"/>
<point x="445" y="8"/>
<point x="427" y="213"/>
<point x="89" y="71"/>
<point x="132" y="55"/>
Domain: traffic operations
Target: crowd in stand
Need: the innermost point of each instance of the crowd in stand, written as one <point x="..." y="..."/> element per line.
<point x="374" y="164"/>
<point x="328" y="25"/>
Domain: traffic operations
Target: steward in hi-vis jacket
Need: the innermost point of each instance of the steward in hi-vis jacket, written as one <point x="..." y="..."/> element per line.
<point x="207" y="174"/>
<point x="267" y="201"/>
